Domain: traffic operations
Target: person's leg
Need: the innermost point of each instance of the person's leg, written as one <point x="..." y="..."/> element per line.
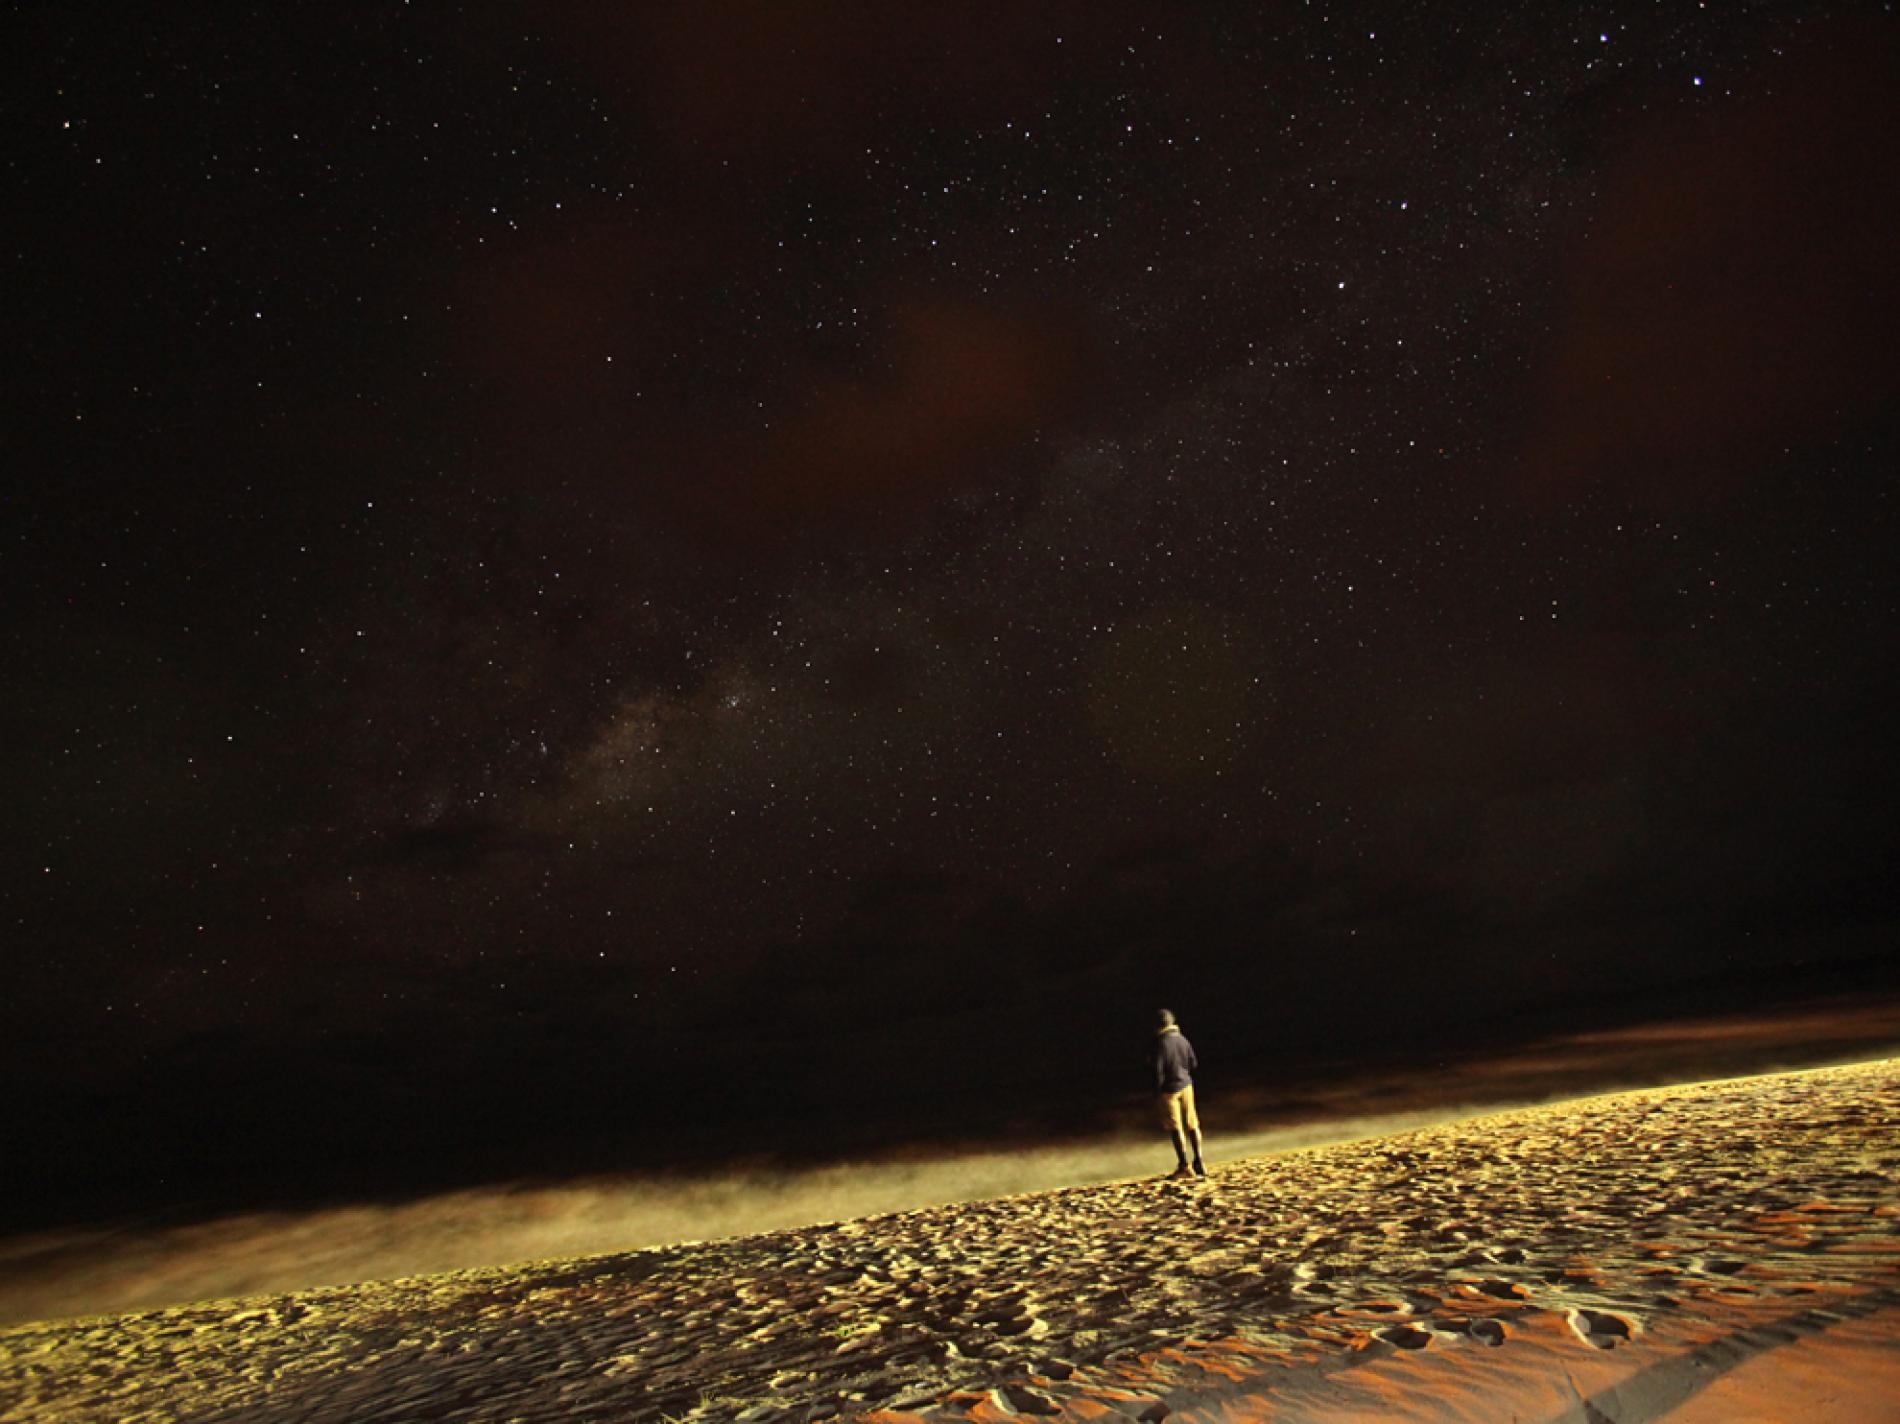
<point x="1177" y="1131"/>
<point x="1191" y="1122"/>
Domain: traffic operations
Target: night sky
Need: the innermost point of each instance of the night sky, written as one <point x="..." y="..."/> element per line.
<point x="587" y="583"/>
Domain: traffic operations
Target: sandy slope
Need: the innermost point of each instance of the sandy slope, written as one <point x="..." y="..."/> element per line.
<point x="147" y="1262"/>
<point x="1722" y="1251"/>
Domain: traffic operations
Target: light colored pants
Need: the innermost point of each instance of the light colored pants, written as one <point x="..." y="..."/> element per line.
<point x="1177" y="1109"/>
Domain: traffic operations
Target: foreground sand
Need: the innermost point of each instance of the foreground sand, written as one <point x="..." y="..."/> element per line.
<point x="1725" y="1251"/>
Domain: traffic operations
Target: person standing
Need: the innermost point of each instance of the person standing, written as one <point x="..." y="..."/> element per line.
<point x="1174" y="1078"/>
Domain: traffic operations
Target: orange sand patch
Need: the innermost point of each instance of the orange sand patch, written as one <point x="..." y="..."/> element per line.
<point x="1852" y="1372"/>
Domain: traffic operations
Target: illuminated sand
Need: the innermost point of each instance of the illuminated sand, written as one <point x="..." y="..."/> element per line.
<point x="1725" y="1251"/>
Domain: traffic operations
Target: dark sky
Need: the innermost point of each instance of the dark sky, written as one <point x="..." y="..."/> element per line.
<point x="596" y="572"/>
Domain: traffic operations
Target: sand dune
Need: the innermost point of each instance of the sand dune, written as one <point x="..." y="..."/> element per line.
<point x="143" y="1263"/>
<point x="1727" y="1250"/>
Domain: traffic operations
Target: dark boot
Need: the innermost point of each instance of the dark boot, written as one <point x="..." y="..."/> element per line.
<point x="1199" y="1169"/>
<point x="1181" y="1168"/>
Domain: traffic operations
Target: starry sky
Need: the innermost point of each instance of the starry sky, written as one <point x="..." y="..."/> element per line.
<point x="717" y="571"/>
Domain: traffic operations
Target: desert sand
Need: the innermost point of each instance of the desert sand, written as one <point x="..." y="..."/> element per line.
<point x="1720" y="1251"/>
<point x="147" y="1260"/>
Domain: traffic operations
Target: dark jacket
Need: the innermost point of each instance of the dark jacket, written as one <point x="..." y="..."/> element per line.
<point x="1174" y="1060"/>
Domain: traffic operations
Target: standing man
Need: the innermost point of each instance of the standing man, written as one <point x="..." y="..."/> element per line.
<point x="1174" y="1077"/>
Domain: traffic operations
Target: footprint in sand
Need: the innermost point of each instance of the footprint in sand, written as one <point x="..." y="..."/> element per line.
<point x="1600" y="1328"/>
<point x="1501" y="1290"/>
<point x="1488" y="1332"/>
<point x="1376" y="1309"/>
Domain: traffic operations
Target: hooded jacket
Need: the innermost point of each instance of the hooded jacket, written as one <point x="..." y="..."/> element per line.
<point x="1174" y="1060"/>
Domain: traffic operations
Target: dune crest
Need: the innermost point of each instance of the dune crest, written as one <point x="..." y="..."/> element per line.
<point x="1722" y="1250"/>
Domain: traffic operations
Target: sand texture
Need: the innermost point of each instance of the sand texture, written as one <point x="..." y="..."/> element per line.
<point x="1724" y="1251"/>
